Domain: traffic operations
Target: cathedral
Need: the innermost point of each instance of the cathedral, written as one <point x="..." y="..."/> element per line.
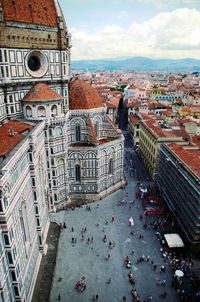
<point x="58" y="147"/>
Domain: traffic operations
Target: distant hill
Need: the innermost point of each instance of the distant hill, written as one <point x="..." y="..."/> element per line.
<point x="137" y="63"/>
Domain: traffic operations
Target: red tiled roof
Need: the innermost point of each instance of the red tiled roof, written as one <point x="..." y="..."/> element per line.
<point x="161" y="132"/>
<point x="41" y="92"/>
<point x="83" y="96"/>
<point x="189" y="155"/>
<point x="134" y="119"/>
<point x="196" y="140"/>
<point x="30" y="11"/>
<point x="8" y="142"/>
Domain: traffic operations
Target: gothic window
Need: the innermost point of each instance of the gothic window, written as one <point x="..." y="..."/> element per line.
<point x="33" y="182"/>
<point x="34" y="195"/>
<point x="77" y="173"/>
<point x="110" y="168"/>
<point x="5" y="55"/>
<point x="55" y="197"/>
<point x="58" y="131"/>
<point x="13" y="276"/>
<point x="41" y="111"/>
<point x="54" y="110"/>
<point x="40" y="239"/>
<point x="6" y="239"/>
<point x="28" y="111"/>
<point x="36" y="210"/>
<point x="10" y="99"/>
<point x="78" y="133"/>
<point x="2" y="72"/>
<point x="16" y="291"/>
<point x="10" y="259"/>
<point x="7" y="73"/>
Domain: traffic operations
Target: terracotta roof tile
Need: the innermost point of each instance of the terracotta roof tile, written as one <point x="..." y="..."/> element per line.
<point x="189" y="155"/>
<point x="30" y="11"/>
<point x="83" y="96"/>
<point x="134" y="119"/>
<point x="41" y="92"/>
<point x="9" y="142"/>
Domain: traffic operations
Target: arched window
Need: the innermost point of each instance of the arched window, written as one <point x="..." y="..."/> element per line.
<point x="41" y="111"/>
<point x="16" y="291"/>
<point x="78" y="133"/>
<point x="10" y="259"/>
<point x="58" y="131"/>
<point x="6" y="239"/>
<point x="33" y="182"/>
<point x="34" y="195"/>
<point x="36" y="210"/>
<point x="110" y="168"/>
<point x="28" y="111"/>
<point x="54" y="110"/>
<point x="13" y="276"/>
<point x="77" y="173"/>
<point x="50" y="132"/>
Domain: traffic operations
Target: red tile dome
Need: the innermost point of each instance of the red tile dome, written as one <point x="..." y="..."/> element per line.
<point x="83" y="96"/>
<point x="30" y="11"/>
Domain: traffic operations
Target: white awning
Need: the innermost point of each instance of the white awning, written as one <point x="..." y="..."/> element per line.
<point x="174" y="240"/>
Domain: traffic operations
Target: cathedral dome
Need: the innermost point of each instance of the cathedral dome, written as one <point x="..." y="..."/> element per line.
<point x="83" y="96"/>
<point x="41" y="93"/>
<point x="30" y="11"/>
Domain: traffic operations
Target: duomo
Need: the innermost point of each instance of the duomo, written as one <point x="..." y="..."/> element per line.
<point x="58" y="147"/>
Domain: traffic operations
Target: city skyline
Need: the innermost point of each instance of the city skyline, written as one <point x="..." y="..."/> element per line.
<point x="150" y="28"/>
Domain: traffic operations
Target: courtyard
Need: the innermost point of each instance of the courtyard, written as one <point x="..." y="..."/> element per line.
<point x="109" y="278"/>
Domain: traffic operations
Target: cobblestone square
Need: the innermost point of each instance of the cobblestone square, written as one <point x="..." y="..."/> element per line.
<point x="89" y="259"/>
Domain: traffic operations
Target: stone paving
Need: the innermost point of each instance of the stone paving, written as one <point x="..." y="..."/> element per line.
<point x="82" y="259"/>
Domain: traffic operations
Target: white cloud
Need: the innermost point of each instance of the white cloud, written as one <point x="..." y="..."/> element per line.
<point x="172" y="34"/>
<point x="123" y="14"/>
<point x="164" y="4"/>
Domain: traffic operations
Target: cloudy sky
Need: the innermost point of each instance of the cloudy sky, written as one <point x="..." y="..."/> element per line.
<point x="124" y="28"/>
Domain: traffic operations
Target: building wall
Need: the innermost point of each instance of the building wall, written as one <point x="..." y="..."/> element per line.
<point x="148" y="147"/>
<point x="23" y="211"/>
<point x="180" y="189"/>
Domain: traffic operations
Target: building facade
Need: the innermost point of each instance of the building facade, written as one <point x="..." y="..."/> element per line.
<point x="57" y="145"/>
<point x="178" y="179"/>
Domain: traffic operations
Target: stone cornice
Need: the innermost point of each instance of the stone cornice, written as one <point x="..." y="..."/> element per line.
<point x="88" y="113"/>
